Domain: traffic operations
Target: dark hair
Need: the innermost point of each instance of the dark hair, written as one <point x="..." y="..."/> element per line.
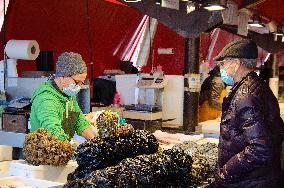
<point x="215" y="71"/>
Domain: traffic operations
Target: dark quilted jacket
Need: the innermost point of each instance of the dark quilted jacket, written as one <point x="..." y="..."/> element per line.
<point x="251" y="136"/>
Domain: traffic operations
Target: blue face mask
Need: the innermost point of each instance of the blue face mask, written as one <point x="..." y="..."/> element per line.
<point x="226" y="78"/>
<point x="72" y="90"/>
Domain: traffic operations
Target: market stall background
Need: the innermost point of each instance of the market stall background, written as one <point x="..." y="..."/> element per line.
<point x="60" y="26"/>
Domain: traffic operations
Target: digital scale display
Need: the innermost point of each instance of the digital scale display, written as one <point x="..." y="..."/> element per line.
<point x="150" y="81"/>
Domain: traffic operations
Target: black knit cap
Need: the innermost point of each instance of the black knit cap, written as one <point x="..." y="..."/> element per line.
<point x="244" y="48"/>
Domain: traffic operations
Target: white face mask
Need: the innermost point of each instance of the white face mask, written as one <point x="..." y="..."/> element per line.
<point x="72" y="90"/>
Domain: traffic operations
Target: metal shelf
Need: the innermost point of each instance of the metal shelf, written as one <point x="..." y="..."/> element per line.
<point x="12" y="139"/>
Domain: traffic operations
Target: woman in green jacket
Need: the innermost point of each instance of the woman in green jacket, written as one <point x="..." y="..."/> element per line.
<point x="54" y="104"/>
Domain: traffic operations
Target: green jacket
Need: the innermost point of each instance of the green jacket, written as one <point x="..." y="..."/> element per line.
<point x="48" y="106"/>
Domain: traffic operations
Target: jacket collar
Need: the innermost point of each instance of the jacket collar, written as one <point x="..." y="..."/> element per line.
<point x="57" y="88"/>
<point x="244" y="79"/>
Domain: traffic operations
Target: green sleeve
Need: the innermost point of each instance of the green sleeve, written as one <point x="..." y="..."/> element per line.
<point x="50" y="117"/>
<point x="81" y="123"/>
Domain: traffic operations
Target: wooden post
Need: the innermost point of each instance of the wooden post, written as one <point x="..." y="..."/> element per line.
<point x="191" y="96"/>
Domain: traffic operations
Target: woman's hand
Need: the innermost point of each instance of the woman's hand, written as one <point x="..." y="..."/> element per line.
<point x="89" y="118"/>
<point x="88" y="134"/>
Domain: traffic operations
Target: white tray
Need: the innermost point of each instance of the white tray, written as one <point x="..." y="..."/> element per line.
<point x="20" y="182"/>
<point x="42" y="172"/>
<point x="5" y="165"/>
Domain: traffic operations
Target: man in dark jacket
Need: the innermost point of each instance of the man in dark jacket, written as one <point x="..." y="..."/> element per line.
<point x="251" y="129"/>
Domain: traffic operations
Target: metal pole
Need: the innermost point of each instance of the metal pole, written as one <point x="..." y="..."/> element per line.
<point x="4" y="44"/>
<point x="89" y="35"/>
<point x="152" y="54"/>
<point x="4" y="25"/>
<point x="90" y="45"/>
<point x="191" y="96"/>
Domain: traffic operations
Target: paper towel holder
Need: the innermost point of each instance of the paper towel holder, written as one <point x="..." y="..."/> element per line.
<point x="33" y="49"/>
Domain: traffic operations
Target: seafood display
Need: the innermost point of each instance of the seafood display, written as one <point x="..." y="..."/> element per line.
<point x="41" y="148"/>
<point x="108" y="151"/>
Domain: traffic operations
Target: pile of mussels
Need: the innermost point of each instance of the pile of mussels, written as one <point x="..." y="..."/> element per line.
<point x="41" y="148"/>
<point x="109" y="125"/>
<point x="170" y="168"/>
<point x="185" y="165"/>
<point x="204" y="158"/>
<point x="108" y="151"/>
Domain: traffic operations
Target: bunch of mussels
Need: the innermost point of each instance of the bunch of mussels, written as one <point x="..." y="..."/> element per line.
<point x="41" y="148"/>
<point x="108" y="125"/>
<point x="204" y="158"/>
<point x="170" y="168"/>
<point x="108" y="151"/>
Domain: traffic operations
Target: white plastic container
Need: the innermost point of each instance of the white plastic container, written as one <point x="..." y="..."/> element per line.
<point x="5" y="153"/>
<point x="3" y="175"/>
<point x="5" y="165"/>
<point x="26" y="182"/>
<point x="42" y="172"/>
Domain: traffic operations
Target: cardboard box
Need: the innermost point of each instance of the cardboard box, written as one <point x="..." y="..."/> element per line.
<point x="15" y="122"/>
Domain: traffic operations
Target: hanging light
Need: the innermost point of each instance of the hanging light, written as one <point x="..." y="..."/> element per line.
<point x="132" y="1"/>
<point x="190" y="7"/>
<point x="215" y="5"/>
<point x="158" y="2"/>
<point x="256" y="22"/>
<point x="278" y="32"/>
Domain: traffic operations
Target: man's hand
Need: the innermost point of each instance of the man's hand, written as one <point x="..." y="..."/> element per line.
<point x="219" y="176"/>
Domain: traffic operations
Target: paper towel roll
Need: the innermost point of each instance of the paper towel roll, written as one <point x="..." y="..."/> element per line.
<point x="22" y="49"/>
<point x="12" y="68"/>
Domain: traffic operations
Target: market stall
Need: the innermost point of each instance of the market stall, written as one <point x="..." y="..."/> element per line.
<point x="119" y="156"/>
<point x="147" y="134"/>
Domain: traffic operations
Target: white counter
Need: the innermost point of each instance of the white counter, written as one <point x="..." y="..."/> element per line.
<point x="210" y="126"/>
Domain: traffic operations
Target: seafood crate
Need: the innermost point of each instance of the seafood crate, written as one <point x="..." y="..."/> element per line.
<point x="20" y="182"/>
<point x="42" y="172"/>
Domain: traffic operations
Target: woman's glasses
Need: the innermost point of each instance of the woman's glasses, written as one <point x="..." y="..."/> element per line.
<point x="79" y="83"/>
